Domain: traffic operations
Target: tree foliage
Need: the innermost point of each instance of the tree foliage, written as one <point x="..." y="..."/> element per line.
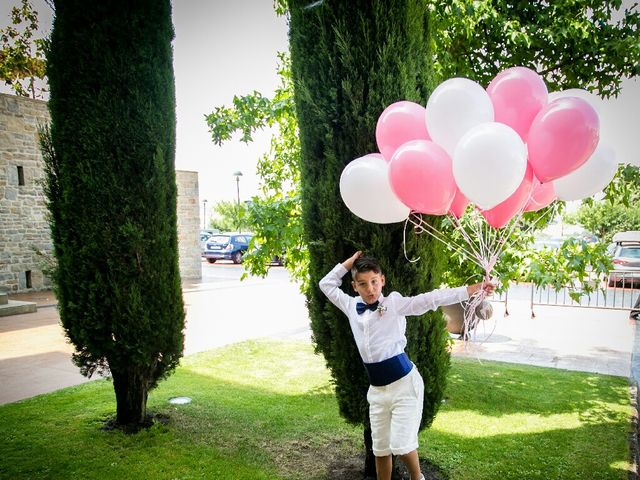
<point x="624" y="189"/>
<point x="604" y="219"/>
<point x="111" y="190"/>
<point x="275" y="215"/>
<point x="22" y="57"/>
<point x="572" y="44"/>
<point x="349" y="61"/>
<point x="577" y="265"/>
<point x="618" y="211"/>
<point x="229" y="217"/>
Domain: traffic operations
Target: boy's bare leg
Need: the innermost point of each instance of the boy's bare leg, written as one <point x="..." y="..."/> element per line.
<point x="412" y="462"/>
<point x="383" y="467"/>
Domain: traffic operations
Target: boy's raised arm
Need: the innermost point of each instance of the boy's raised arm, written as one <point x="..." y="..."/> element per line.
<point x="330" y="284"/>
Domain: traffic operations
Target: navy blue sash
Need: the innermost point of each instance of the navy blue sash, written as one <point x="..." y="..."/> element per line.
<point x="389" y="370"/>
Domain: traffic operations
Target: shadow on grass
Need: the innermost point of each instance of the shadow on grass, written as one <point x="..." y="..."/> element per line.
<point x="267" y="411"/>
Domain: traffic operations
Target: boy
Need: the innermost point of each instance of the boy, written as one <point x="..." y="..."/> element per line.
<point x="378" y="324"/>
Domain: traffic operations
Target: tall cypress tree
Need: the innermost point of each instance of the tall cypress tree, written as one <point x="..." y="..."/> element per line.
<point x="350" y="60"/>
<point x="112" y="192"/>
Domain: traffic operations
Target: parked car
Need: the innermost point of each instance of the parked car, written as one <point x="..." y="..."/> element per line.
<point x="625" y="252"/>
<point x="203" y="240"/>
<point x="204" y="236"/>
<point x="226" y="246"/>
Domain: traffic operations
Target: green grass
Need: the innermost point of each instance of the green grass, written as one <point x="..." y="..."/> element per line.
<point x="504" y="421"/>
<point x="266" y="410"/>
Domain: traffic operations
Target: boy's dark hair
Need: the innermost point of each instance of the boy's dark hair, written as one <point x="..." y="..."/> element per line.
<point x="365" y="264"/>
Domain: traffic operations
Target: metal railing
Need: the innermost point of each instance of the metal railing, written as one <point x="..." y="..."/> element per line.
<point x="623" y="294"/>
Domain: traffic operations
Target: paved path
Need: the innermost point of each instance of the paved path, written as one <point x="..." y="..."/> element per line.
<point x="35" y="358"/>
<point x="571" y="338"/>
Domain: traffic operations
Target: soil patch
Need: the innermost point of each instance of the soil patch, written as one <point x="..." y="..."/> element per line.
<point x="351" y="468"/>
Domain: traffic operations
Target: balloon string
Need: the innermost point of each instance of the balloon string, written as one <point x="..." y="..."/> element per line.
<point x="516" y="223"/>
<point x="422" y="226"/>
<point x="470" y="318"/>
<point x="480" y="251"/>
<point x="468" y="240"/>
<point x="475" y="249"/>
<point x="480" y="244"/>
<point x="471" y="321"/>
<point x="404" y="241"/>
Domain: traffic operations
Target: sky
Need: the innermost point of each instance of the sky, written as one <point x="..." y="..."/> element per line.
<point x="221" y="48"/>
<point x="224" y="48"/>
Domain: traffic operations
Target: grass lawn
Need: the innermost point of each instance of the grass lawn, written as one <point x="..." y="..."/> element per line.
<point x="266" y="410"/>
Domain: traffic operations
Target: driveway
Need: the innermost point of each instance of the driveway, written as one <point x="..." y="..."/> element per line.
<point x="221" y="309"/>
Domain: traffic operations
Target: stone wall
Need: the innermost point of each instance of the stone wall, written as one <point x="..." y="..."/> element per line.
<point x="188" y="224"/>
<point x="23" y="225"/>
<point x="24" y="230"/>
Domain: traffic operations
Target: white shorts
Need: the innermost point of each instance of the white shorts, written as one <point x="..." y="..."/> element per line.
<point x="395" y="411"/>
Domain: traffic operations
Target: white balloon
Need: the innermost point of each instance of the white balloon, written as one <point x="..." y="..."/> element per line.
<point x="619" y="124"/>
<point x="489" y="164"/>
<point x="366" y="191"/>
<point x="454" y="107"/>
<point x="590" y="178"/>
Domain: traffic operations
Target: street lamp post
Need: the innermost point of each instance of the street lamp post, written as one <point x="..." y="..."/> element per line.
<point x="204" y="214"/>
<point x="238" y="174"/>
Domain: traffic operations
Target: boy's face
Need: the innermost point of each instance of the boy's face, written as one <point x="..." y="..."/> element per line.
<point x="368" y="285"/>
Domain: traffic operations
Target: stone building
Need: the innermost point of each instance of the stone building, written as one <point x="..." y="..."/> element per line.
<point x="25" y="243"/>
<point x="188" y="224"/>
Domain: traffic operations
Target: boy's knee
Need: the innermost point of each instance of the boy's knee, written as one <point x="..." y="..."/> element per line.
<point x="386" y="452"/>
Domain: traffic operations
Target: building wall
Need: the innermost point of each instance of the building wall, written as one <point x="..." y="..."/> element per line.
<point x="188" y="224"/>
<point x="23" y="225"/>
<point x="25" y="243"/>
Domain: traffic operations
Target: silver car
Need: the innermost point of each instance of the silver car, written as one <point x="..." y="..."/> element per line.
<point x="625" y="252"/>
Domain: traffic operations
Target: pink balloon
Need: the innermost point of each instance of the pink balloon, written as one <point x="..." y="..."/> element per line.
<point x="541" y="196"/>
<point x="517" y="94"/>
<point x="562" y="137"/>
<point x="459" y="204"/>
<point x="500" y="215"/>
<point x="421" y="176"/>
<point x="399" y="123"/>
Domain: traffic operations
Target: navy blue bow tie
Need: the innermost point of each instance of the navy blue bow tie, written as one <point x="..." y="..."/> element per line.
<point x="361" y="307"/>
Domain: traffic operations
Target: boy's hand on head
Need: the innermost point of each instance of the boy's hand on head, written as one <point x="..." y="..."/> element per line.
<point x="348" y="263"/>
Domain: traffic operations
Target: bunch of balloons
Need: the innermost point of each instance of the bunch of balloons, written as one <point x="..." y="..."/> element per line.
<point x="509" y="148"/>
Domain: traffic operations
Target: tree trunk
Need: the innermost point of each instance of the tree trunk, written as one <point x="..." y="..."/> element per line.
<point x="369" y="458"/>
<point x="132" y="390"/>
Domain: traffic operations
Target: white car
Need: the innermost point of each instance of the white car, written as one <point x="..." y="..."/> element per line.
<point x="625" y="252"/>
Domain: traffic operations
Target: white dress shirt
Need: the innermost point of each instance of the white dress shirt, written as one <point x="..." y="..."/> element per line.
<point x="381" y="335"/>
